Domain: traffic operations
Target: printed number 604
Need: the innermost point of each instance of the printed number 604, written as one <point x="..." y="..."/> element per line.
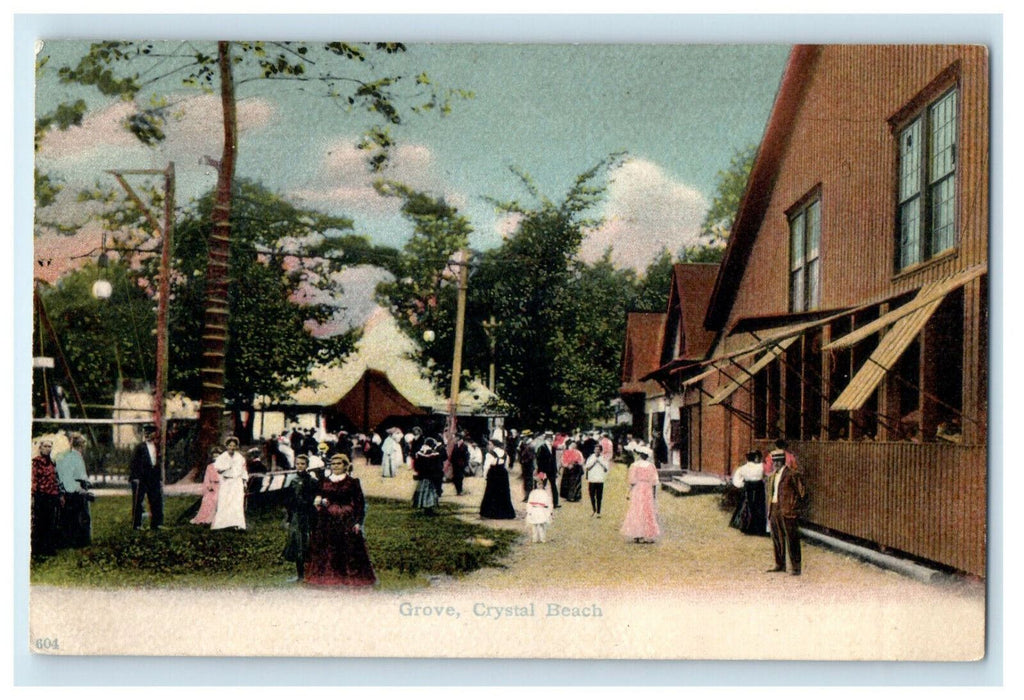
<point x="47" y="643"/>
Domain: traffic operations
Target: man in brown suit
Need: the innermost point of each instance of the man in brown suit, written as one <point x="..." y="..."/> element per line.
<point x="786" y="495"/>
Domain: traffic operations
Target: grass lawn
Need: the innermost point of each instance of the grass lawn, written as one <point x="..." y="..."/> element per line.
<point x="406" y="547"/>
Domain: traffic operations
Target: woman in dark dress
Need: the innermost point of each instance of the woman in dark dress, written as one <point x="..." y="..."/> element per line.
<point x="428" y="469"/>
<point x="337" y="549"/>
<point x="301" y="516"/>
<point x="497" y="501"/>
<point x="571" y="488"/>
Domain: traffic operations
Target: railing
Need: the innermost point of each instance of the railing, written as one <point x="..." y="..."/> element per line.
<point x="928" y="500"/>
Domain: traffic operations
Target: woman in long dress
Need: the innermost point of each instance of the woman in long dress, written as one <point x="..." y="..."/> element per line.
<point x="301" y="516"/>
<point x="211" y="485"/>
<point x="751" y="515"/>
<point x="427" y="466"/>
<point x="571" y="488"/>
<point x="497" y="501"/>
<point x="641" y="523"/>
<point x="337" y="548"/>
<point x="230" y="466"/>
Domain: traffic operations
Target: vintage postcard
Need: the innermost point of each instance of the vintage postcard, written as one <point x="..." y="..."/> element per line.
<point x="591" y="351"/>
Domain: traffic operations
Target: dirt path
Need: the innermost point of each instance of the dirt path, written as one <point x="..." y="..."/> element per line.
<point x="700" y="592"/>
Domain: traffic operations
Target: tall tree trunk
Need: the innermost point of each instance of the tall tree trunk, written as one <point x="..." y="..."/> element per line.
<point x="215" y="318"/>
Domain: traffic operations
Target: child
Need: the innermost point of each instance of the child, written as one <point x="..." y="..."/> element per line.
<point x="539" y="508"/>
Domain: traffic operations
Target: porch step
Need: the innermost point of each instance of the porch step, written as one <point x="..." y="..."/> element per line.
<point x="693" y="483"/>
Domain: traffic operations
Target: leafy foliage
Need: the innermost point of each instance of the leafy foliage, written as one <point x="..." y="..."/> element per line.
<point x="729" y="188"/>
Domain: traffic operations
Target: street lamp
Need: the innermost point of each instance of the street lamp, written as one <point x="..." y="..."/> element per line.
<point x="101" y="289"/>
<point x="428" y="336"/>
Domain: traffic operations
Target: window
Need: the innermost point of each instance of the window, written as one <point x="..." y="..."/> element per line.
<point x="927" y="182"/>
<point x="804" y="267"/>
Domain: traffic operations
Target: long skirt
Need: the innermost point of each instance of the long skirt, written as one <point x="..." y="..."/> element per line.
<point x="425" y="496"/>
<point x="571" y="487"/>
<point x="750" y="516"/>
<point x="497" y="500"/>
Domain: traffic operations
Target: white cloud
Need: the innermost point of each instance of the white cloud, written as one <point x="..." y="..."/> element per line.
<point x="645" y="211"/>
<point x="195" y="128"/>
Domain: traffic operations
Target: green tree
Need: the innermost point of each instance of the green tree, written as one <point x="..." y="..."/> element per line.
<point x="126" y="69"/>
<point x="280" y="256"/>
<point x="653" y="286"/>
<point x="730" y="185"/>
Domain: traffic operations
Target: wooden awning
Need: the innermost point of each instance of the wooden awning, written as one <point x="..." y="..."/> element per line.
<point x="927" y="294"/>
<point x="888" y="352"/>
<point x="746" y="373"/>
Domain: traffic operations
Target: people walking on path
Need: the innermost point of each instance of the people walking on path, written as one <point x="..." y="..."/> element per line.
<point x="301" y="515"/>
<point x="230" y="466"/>
<point x="641" y="522"/>
<point x="459" y="461"/>
<point x="45" y="502"/>
<point x="787" y="495"/>
<point x="337" y="547"/>
<point x="750" y="516"/>
<point x="497" y="500"/>
<point x="539" y="509"/>
<point x="146" y="481"/>
<point x="596" y="471"/>
<point x="571" y="487"/>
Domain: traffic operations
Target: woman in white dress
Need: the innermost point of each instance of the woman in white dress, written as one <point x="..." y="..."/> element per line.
<point x="230" y="468"/>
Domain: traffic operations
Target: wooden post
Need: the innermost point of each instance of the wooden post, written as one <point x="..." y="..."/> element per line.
<point x="163" y="301"/>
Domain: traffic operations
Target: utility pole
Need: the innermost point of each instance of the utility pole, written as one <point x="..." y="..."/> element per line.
<point x="491" y="329"/>
<point x="166" y="232"/>
<point x="460" y="331"/>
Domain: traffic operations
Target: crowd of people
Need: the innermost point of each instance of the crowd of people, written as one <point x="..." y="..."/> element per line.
<point x="326" y="509"/>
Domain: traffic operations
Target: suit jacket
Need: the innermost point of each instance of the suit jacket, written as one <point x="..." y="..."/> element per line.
<point x="546" y="460"/>
<point x="141" y="467"/>
<point x="792" y="492"/>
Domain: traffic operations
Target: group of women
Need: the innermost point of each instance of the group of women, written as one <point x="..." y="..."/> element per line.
<point x="641" y="522"/>
<point x="325" y="514"/>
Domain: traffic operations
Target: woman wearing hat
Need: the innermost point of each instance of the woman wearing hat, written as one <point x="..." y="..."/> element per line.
<point x="230" y="467"/>
<point x="337" y="548"/>
<point x="641" y="523"/>
<point x="211" y="486"/>
<point x="497" y="501"/>
<point x="428" y="467"/>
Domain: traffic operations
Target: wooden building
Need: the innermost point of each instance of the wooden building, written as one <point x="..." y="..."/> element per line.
<point x="850" y="312"/>
<point x="640" y="357"/>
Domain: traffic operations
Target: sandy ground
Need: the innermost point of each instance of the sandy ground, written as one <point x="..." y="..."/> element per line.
<point x="701" y="591"/>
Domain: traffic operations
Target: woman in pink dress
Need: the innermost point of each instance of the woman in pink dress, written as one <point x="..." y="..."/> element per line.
<point x="211" y="485"/>
<point x="641" y="524"/>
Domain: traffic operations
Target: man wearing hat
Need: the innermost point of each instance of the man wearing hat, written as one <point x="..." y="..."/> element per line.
<point x="459" y="460"/>
<point x="147" y="483"/>
<point x="546" y="463"/>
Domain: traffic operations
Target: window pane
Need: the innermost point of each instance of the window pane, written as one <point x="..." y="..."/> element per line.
<point x="943" y="213"/>
<point x="813" y="229"/>
<point x="910" y="233"/>
<point x="796" y="286"/>
<point x="796" y="241"/>
<point x="942" y="123"/>
<point x="813" y="286"/>
<point x="910" y="161"/>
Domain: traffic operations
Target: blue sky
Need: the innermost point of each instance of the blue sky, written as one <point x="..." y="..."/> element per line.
<point x="553" y="110"/>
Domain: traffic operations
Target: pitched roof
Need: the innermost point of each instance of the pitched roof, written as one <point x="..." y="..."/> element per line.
<point x="384" y="348"/>
<point x="693" y="285"/>
<point x="758" y="194"/>
<point x="642" y="349"/>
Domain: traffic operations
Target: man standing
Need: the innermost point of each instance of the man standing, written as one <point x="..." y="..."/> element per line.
<point x="459" y="460"/>
<point x="146" y="481"/>
<point x="45" y="502"/>
<point x="75" y="520"/>
<point x="786" y="495"/>
<point x="527" y="458"/>
<point x="546" y="463"/>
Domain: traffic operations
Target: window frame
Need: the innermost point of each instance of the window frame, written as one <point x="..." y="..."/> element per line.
<point x="920" y="113"/>
<point x="800" y="269"/>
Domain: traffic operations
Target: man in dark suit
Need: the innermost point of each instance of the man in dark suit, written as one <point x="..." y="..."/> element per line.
<point x="546" y="463"/>
<point x="144" y="475"/>
<point x="786" y="497"/>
